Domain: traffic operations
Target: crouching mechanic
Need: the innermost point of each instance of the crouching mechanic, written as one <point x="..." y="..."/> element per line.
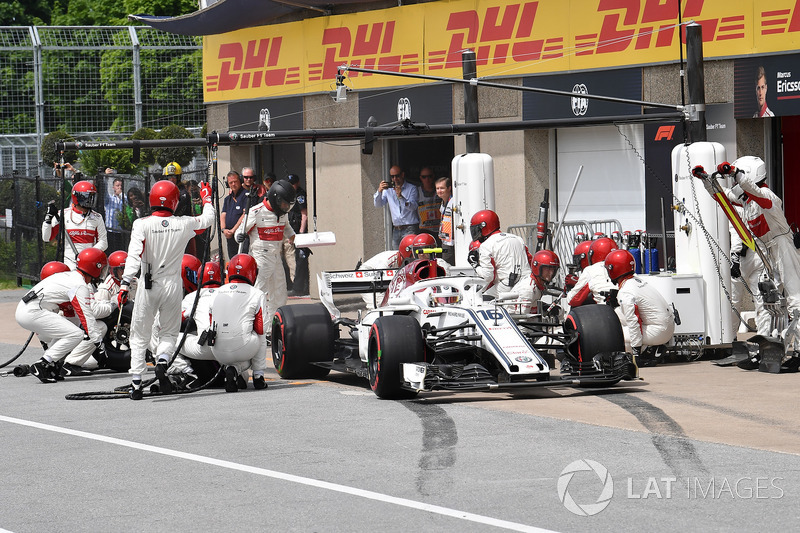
<point x="237" y="317"/>
<point x="647" y="316"/>
<point x="267" y="226"/>
<point x="593" y="281"/>
<point x="197" y="326"/>
<point x="502" y="260"/>
<point x="156" y="249"/>
<point x="38" y="311"/>
<point x="104" y="304"/>
<point x="544" y="267"/>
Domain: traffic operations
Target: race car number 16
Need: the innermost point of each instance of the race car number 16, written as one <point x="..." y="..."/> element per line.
<point x="490" y="314"/>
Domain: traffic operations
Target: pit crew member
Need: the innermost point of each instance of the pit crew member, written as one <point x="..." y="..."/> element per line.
<point x="156" y="249"/>
<point x="38" y="311"/>
<point x="267" y="226"/>
<point x="237" y="316"/>
<point x="83" y="227"/>
<point x="647" y="316"/>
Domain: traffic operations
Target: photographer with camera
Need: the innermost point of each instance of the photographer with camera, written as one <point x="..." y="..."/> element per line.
<point x="402" y="198"/>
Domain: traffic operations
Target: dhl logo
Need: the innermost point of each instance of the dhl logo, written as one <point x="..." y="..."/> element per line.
<point x="252" y="67"/>
<point x="369" y="47"/>
<point x="499" y="35"/>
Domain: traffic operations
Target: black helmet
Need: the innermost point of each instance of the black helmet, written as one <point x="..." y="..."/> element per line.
<point x="281" y="197"/>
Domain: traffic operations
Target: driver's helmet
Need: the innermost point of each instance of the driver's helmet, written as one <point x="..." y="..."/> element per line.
<point x="444" y="295"/>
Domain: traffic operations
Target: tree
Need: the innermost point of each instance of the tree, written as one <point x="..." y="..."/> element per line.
<point x="181" y="155"/>
<point x="25" y="12"/>
<point x="49" y="154"/>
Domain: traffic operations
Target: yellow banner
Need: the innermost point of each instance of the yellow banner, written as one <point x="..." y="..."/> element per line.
<point x="510" y="39"/>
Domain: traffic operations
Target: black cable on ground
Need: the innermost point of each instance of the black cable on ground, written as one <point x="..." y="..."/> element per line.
<point x="124" y="391"/>
<point x="24" y="347"/>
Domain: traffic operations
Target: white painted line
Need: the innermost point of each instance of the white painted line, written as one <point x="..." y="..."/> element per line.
<point x="370" y="495"/>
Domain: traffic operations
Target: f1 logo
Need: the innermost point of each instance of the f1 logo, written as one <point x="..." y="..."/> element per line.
<point x="665" y="133"/>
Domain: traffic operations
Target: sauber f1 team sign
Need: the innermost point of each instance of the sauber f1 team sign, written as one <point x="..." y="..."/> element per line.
<point x="509" y="38"/>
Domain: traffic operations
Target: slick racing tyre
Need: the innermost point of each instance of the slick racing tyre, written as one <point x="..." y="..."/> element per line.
<point x="116" y="341"/>
<point x="301" y="335"/>
<point x="393" y="340"/>
<point x="598" y="329"/>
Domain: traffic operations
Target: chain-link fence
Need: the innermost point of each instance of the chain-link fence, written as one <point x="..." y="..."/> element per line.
<point x="95" y="82"/>
<point x="120" y="200"/>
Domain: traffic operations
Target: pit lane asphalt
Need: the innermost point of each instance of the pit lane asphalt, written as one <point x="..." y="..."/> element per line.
<point x="329" y="456"/>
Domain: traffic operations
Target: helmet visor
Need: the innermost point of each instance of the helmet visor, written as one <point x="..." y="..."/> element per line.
<point x="85" y="199"/>
<point x="547" y="272"/>
<point x="475" y="232"/>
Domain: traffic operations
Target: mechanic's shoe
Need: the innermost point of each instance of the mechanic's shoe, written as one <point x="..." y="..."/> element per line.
<point x="57" y="370"/>
<point x="231" y="380"/>
<point x="259" y="382"/>
<point x="186" y="381"/>
<point x="44" y="370"/>
<point x="791" y="365"/>
<point x="164" y="384"/>
<point x="136" y="390"/>
<point x="69" y="369"/>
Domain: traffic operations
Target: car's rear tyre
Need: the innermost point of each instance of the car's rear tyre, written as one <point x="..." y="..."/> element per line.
<point x="599" y="331"/>
<point x="393" y="340"/>
<point x="302" y="334"/>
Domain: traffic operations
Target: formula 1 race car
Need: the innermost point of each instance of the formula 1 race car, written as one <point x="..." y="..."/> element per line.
<point x="437" y="333"/>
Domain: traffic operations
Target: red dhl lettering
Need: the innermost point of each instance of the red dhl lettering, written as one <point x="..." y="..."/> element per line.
<point x="370" y="48"/>
<point x="501" y="34"/>
<point x="252" y="68"/>
<point x="271" y="233"/>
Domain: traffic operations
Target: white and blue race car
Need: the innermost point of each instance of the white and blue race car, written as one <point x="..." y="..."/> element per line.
<point x="435" y="332"/>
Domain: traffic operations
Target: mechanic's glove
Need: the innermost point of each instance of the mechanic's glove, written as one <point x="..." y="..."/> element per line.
<point x="239" y="237"/>
<point x="725" y="168"/>
<point x="736" y="270"/>
<point x="611" y="298"/>
<point x="205" y="192"/>
<point x="636" y="350"/>
<point x="699" y="172"/>
<point x="473" y="258"/>
<point x="52" y="211"/>
<point x="570" y="281"/>
<point x="122" y="297"/>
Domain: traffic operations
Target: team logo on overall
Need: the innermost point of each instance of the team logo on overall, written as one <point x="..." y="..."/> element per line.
<point x="165" y="223"/>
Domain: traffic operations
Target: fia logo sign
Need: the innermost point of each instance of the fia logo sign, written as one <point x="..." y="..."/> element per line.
<point x="579" y="105"/>
<point x="403" y="109"/>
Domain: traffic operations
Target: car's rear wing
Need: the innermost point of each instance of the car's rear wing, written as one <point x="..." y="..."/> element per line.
<point x="351" y="282"/>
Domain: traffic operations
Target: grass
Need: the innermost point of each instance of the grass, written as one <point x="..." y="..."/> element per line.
<point x="10" y="282"/>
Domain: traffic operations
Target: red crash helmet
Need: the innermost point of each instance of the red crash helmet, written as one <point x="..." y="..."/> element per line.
<point x="545" y="265"/>
<point x="84" y="194"/>
<point x="620" y="265"/>
<point x="164" y="196"/>
<point x="116" y="264"/>
<point x="600" y="249"/>
<point x="211" y="275"/>
<point x="189" y="267"/>
<point x="483" y="224"/>
<point x="580" y="256"/>
<point x="406" y="245"/>
<point x="421" y="241"/>
<point x="242" y="268"/>
<point x="53" y="267"/>
<point x="93" y="263"/>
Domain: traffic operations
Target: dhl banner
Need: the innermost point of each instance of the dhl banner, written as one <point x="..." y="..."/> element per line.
<point x="512" y="38"/>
